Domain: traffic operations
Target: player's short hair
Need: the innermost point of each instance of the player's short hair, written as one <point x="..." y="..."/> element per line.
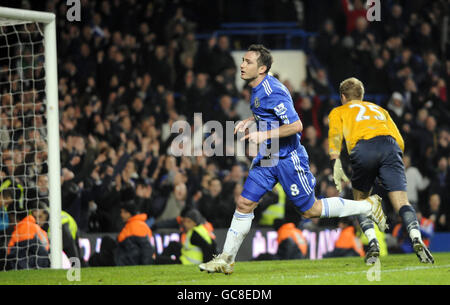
<point x="352" y="88"/>
<point x="264" y="58"/>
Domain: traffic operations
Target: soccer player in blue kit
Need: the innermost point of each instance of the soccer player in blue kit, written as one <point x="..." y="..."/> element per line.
<point x="276" y="119"/>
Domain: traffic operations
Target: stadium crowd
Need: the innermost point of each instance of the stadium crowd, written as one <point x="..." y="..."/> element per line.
<point x="129" y="69"/>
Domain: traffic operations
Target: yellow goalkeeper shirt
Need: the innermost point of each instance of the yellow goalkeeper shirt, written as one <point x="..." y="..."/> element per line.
<point x="359" y="120"/>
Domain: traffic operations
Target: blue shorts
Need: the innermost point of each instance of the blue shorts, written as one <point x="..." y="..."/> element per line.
<point x="293" y="174"/>
<point x="379" y="157"/>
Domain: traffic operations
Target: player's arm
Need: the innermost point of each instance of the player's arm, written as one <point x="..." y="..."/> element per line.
<point x="285" y="130"/>
<point x="335" y="135"/>
<point x="281" y="132"/>
<point x="286" y="114"/>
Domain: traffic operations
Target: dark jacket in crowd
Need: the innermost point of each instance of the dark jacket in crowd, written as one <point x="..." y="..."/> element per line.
<point x="347" y="244"/>
<point x="28" y="247"/>
<point x="134" y="247"/>
<point x="291" y="242"/>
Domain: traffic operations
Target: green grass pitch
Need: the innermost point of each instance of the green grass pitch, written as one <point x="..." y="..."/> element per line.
<point x="392" y="270"/>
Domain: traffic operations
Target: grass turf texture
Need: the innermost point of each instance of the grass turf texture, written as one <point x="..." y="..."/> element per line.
<point x="394" y="270"/>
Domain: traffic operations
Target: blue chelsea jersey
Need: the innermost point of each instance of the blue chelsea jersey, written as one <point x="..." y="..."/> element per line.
<point x="272" y="107"/>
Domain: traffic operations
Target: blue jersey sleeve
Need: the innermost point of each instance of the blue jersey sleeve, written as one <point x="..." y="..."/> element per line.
<point x="283" y="108"/>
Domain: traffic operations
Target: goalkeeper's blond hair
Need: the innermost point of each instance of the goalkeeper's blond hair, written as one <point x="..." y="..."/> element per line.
<point x="352" y="88"/>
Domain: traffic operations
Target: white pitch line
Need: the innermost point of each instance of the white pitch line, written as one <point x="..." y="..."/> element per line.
<point x="309" y="276"/>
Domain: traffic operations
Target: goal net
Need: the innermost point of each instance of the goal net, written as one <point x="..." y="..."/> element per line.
<point x="29" y="142"/>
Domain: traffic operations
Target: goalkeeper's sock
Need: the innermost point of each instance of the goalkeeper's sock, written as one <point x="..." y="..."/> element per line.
<point x="240" y="226"/>
<point x="339" y="207"/>
<point x="367" y="227"/>
<point x="410" y="222"/>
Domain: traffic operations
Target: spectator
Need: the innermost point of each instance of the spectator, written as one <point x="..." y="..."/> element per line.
<point x="429" y="142"/>
<point x="423" y="40"/>
<point x="209" y="203"/>
<point x="29" y="246"/>
<point x="437" y="212"/>
<point x="291" y="242"/>
<point x="362" y="38"/>
<point x="243" y="105"/>
<point x="395" y="22"/>
<point x="178" y="25"/>
<point x="139" y="110"/>
<point x="320" y="83"/>
<point x="235" y="176"/>
<point x="85" y="63"/>
<point x="197" y="243"/>
<point x="352" y="12"/>
<point x="411" y="94"/>
<point x="343" y="62"/>
<point x="134" y="241"/>
<point x="176" y="202"/>
<point x="441" y="177"/>
<point x="326" y="40"/>
<point x="315" y="151"/>
<point x="160" y="69"/>
<point x="222" y="59"/>
<point x="348" y="243"/>
<point x="199" y="246"/>
<point x="148" y="201"/>
<point x="304" y="107"/>
<point x="396" y="108"/>
<point x="443" y="148"/>
<point x="70" y="242"/>
<point x="377" y="78"/>
<point x="226" y="110"/>
<point x="6" y="198"/>
<point x="186" y="85"/>
<point x="415" y="182"/>
<point x="408" y="65"/>
<point x="201" y="97"/>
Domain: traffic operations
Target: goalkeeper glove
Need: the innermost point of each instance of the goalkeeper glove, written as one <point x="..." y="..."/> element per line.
<point x="339" y="175"/>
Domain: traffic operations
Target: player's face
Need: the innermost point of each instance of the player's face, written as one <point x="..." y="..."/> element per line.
<point x="249" y="66"/>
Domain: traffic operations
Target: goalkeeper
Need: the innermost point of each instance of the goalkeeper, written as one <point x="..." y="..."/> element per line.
<point x="375" y="147"/>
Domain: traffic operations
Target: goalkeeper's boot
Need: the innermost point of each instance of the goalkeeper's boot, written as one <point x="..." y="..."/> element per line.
<point x="422" y="251"/>
<point x="373" y="252"/>
<point x="377" y="214"/>
<point x="219" y="264"/>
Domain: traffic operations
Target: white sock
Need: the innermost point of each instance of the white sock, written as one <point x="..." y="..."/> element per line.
<point x="240" y="226"/>
<point x="339" y="207"/>
<point x="370" y="234"/>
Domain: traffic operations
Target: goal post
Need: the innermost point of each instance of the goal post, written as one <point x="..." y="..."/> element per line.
<point x="12" y="16"/>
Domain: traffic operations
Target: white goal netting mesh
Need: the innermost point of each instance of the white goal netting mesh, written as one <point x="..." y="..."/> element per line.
<point x="24" y="147"/>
